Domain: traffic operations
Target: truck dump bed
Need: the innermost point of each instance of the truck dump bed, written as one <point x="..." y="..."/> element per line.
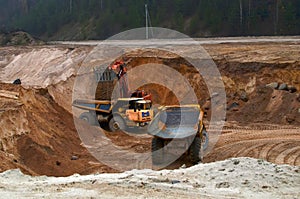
<point x="93" y="105"/>
<point x="175" y="122"/>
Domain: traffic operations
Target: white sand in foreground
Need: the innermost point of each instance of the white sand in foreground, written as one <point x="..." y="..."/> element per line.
<point x="233" y="178"/>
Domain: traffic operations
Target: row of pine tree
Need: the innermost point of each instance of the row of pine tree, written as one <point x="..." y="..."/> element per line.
<point x="99" y="19"/>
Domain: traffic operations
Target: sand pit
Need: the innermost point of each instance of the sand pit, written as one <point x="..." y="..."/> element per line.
<point x="38" y="136"/>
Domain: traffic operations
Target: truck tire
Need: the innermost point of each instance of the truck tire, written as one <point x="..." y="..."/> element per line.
<point x="205" y="139"/>
<point x="195" y="150"/>
<point x="116" y="123"/>
<point x="104" y="125"/>
<point x="89" y="118"/>
<point x="157" y="151"/>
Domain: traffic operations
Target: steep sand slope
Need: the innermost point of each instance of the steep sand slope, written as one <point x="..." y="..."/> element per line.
<point x="40" y="66"/>
<point x="39" y="136"/>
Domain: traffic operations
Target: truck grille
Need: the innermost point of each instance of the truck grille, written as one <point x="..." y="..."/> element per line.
<point x="145" y="114"/>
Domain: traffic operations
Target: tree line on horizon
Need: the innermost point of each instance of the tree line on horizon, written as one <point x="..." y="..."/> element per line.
<point x="99" y="19"/>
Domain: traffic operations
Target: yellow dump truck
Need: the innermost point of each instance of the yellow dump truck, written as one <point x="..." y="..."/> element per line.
<point x="120" y="115"/>
<point x="178" y="129"/>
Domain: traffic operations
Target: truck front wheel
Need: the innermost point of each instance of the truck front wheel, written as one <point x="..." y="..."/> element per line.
<point x="205" y="139"/>
<point x="116" y="123"/>
<point x="89" y="118"/>
<point x="195" y="150"/>
<point x="157" y="151"/>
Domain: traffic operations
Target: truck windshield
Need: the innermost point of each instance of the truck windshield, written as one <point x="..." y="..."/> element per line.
<point x="139" y="106"/>
<point x="143" y="106"/>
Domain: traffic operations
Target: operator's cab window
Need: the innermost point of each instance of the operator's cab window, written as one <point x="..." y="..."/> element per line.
<point x="132" y="105"/>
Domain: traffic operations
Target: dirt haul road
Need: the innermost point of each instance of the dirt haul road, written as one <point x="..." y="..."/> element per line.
<point x="37" y="133"/>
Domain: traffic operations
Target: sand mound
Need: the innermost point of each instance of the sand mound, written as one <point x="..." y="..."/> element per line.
<point x="39" y="135"/>
<point x="41" y="66"/>
<point x="233" y="178"/>
<point x="18" y="38"/>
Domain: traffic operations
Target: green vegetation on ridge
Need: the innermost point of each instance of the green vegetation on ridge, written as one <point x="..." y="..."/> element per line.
<point x="99" y="19"/>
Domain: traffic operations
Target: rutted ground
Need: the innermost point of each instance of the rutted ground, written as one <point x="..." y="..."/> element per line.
<point x="277" y="144"/>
